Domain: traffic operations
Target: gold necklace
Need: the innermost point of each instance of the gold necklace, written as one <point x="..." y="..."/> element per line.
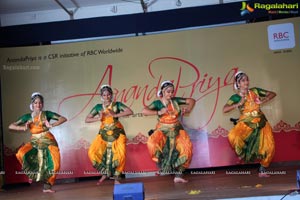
<point x="170" y="112"/>
<point x="243" y="94"/>
<point x="251" y="99"/>
<point x="39" y="118"/>
<point x="106" y="106"/>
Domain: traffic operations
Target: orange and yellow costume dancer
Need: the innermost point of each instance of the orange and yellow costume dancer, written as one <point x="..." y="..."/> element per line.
<point x="108" y="151"/>
<point x="40" y="158"/>
<point x="170" y="146"/>
<point x="252" y="137"/>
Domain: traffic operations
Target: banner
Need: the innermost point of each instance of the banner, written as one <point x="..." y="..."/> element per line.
<point x="201" y="63"/>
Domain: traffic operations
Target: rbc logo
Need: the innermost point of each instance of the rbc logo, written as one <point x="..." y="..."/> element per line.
<point x="281" y="36"/>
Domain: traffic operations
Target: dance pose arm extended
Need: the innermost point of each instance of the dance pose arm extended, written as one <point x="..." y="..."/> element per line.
<point x="251" y="137"/>
<point x="96" y="113"/>
<point x="23" y="122"/>
<point x="40" y="158"/>
<point x="54" y="116"/>
<point x="237" y="101"/>
<point x="151" y="110"/>
<point x="156" y="108"/>
<point x="189" y="105"/>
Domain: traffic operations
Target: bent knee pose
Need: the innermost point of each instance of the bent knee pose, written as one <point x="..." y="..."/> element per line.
<point x="107" y="152"/>
<point x="169" y="145"/>
<point x="252" y="136"/>
<point x="40" y="158"/>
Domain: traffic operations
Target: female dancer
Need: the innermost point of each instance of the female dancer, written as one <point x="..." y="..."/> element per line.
<point x="252" y="137"/>
<point x="40" y="158"/>
<point x="107" y="152"/>
<point x="169" y="145"/>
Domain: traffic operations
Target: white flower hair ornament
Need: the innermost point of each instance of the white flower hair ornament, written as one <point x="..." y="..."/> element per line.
<point x="164" y="85"/>
<point x="237" y="78"/>
<point x="33" y="97"/>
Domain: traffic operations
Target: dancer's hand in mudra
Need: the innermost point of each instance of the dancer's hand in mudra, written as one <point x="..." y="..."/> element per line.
<point x="162" y="111"/>
<point x="47" y="124"/>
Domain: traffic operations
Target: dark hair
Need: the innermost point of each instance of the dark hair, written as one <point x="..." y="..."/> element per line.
<point x="239" y="77"/>
<point x="165" y="85"/>
<point x="106" y="88"/>
<point x="34" y="97"/>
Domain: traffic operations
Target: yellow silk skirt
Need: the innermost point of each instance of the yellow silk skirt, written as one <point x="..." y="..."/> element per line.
<point x="158" y="146"/>
<point x="266" y="147"/>
<point x="40" y="158"/>
<point x="106" y="155"/>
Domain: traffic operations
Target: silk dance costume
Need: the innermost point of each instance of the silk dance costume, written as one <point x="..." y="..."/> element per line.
<point x="40" y="158"/>
<point x="252" y="136"/>
<point x="108" y="151"/>
<point x="169" y="145"/>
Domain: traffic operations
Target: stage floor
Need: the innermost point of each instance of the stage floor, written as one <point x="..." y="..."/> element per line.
<point x="220" y="183"/>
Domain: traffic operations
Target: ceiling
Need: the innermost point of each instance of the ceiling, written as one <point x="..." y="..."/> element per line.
<point x="18" y="12"/>
<point x="18" y="6"/>
<point x="21" y="6"/>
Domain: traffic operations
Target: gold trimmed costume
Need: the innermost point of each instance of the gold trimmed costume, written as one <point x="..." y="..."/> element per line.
<point x="252" y="137"/>
<point x="108" y="151"/>
<point x="170" y="146"/>
<point x="40" y="158"/>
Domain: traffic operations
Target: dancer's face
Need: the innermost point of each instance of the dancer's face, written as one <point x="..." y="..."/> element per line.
<point x="106" y="96"/>
<point x="244" y="82"/>
<point x="168" y="93"/>
<point x="37" y="105"/>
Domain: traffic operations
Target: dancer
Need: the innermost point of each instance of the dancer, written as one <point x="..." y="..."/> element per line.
<point x="169" y="145"/>
<point x="107" y="152"/>
<point x="40" y="158"/>
<point x="252" y="136"/>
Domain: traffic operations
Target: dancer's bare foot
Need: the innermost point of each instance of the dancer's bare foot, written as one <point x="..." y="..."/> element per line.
<point x="30" y="181"/>
<point x="262" y="172"/>
<point x="49" y="191"/>
<point x="240" y="160"/>
<point x="117" y="182"/>
<point x="103" y="177"/>
<point x="263" y="175"/>
<point x="180" y="180"/>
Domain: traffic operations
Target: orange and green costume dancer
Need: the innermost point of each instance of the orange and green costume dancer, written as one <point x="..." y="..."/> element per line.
<point x="40" y="158"/>
<point x="108" y="151"/>
<point x="169" y="145"/>
<point x="252" y="137"/>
